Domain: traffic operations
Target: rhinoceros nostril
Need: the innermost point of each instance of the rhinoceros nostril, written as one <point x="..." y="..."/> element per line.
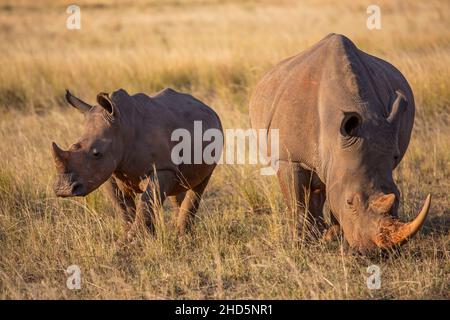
<point x="77" y="189"/>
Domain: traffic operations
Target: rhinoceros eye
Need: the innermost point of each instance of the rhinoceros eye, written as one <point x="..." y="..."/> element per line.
<point x="350" y="124"/>
<point x="96" y="153"/>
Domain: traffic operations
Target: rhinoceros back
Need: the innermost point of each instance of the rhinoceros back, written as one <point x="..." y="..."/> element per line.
<point x="304" y="97"/>
<point x="148" y="124"/>
<point x="286" y="99"/>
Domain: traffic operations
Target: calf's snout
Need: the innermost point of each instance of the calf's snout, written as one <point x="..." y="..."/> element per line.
<point x="67" y="185"/>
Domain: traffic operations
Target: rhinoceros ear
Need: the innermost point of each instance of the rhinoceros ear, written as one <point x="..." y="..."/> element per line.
<point x="106" y="103"/>
<point x="77" y="103"/>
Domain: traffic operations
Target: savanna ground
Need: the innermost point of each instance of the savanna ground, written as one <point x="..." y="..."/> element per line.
<point x="244" y="244"/>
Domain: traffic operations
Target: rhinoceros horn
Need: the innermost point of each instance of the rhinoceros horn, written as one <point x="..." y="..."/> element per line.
<point x="77" y="103"/>
<point x="393" y="232"/>
<point x="59" y="156"/>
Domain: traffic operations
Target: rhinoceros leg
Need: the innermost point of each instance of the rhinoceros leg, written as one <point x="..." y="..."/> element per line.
<point x="190" y="205"/>
<point x="123" y="201"/>
<point x="176" y="201"/>
<point x="148" y="203"/>
<point x="304" y="194"/>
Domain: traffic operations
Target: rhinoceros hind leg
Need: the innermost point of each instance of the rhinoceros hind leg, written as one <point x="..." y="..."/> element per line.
<point x="303" y="192"/>
<point x="176" y="201"/>
<point x="190" y="206"/>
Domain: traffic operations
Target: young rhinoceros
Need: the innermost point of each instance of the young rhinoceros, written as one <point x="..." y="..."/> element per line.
<point x="345" y="120"/>
<point x="127" y="144"/>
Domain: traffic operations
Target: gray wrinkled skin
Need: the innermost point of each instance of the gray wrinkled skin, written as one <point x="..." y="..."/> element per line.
<point x="127" y="144"/>
<point x="345" y="120"/>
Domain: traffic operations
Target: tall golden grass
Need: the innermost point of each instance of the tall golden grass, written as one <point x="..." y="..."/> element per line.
<point x="244" y="244"/>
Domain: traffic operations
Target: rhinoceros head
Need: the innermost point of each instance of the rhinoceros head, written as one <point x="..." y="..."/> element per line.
<point x="361" y="191"/>
<point x="93" y="158"/>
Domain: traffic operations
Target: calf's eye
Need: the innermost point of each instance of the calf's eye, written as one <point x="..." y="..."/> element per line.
<point x="96" y="153"/>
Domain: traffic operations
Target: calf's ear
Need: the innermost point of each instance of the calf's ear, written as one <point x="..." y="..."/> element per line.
<point x="77" y="103"/>
<point x="106" y="103"/>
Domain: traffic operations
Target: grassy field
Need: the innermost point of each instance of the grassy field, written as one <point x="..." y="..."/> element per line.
<point x="244" y="244"/>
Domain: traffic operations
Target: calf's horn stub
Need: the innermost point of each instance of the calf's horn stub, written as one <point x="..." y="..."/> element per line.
<point x="59" y="156"/>
<point x="394" y="232"/>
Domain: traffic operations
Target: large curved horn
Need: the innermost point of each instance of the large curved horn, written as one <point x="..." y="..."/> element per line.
<point x="77" y="103"/>
<point x="59" y="156"/>
<point x="397" y="233"/>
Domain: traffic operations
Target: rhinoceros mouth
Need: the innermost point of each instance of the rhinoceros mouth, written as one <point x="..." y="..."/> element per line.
<point x="67" y="186"/>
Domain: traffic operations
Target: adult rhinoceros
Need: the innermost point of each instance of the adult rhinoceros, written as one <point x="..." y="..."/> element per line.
<point x="345" y="120"/>
<point x="127" y="141"/>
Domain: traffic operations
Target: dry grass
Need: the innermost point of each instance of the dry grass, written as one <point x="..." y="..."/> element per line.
<point x="216" y="51"/>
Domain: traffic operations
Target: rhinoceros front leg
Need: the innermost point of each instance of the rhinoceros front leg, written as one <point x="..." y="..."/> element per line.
<point x="334" y="232"/>
<point x="123" y="201"/>
<point x="152" y="199"/>
<point x="305" y="195"/>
